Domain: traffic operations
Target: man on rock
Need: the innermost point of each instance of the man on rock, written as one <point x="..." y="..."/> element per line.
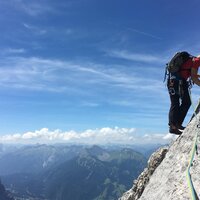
<point x="178" y="84"/>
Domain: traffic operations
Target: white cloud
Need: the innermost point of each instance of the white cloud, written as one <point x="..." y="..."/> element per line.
<point x="35" y="29"/>
<point x="104" y="135"/>
<point x="144" y="33"/>
<point x="135" y="56"/>
<point x="170" y="137"/>
<point x="45" y="74"/>
<point x="33" y="8"/>
<point x="14" y="51"/>
<point x="92" y="81"/>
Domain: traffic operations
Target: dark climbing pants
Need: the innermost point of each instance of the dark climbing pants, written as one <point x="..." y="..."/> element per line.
<point x="180" y="101"/>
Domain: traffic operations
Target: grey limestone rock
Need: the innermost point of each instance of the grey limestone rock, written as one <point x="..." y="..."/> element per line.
<point x="165" y="177"/>
<point x="139" y="184"/>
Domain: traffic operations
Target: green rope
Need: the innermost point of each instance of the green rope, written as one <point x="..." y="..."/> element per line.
<point x="189" y="180"/>
<point x="193" y="151"/>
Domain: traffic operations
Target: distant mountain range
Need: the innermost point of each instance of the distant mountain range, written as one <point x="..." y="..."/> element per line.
<point x="4" y="194"/>
<point x="64" y="172"/>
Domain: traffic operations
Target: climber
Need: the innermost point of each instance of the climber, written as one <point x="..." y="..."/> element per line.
<point x="178" y="85"/>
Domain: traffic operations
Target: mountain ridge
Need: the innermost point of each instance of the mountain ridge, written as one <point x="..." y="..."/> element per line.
<point x="4" y="195"/>
<point x="71" y="172"/>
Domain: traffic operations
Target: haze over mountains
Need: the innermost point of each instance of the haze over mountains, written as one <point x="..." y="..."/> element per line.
<point x="70" y="171"/>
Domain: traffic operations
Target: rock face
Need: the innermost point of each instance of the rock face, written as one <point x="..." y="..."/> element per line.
<point x="139" y="184"/>
<point x="165" y="178"/>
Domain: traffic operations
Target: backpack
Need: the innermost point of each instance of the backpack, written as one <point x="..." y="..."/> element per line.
<point x="174" y="65"/>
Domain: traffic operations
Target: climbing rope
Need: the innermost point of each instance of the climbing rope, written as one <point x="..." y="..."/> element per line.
<point x="189" y="180"/>
<point x="193" y="151"/>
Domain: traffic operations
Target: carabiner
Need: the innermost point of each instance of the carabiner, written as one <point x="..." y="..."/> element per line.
<point x="172" y="91"/>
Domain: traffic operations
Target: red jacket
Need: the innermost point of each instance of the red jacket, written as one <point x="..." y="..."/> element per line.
<point x="185" y="71"/>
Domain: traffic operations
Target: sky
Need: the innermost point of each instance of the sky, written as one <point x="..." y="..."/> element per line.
<point x="91" y="70"/>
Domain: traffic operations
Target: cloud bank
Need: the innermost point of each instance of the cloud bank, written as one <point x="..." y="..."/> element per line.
<point x="105" y="135"/>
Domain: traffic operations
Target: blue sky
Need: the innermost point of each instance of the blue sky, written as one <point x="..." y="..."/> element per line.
<point x="90" y="65"/>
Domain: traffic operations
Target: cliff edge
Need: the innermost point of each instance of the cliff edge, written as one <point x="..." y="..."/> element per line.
<point x="165" y="178"/>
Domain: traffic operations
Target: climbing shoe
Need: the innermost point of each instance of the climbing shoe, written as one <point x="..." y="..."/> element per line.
<point x="180" y="127"/>
<point x="175" y="131"/>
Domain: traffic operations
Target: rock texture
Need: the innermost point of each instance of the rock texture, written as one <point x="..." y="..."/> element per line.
<point x="166" y="179"/>
<point x="139" y="184"/>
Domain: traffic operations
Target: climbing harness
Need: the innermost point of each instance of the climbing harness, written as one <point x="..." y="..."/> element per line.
<point x="194" y="150"/>
<point x="175" y="86"/>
